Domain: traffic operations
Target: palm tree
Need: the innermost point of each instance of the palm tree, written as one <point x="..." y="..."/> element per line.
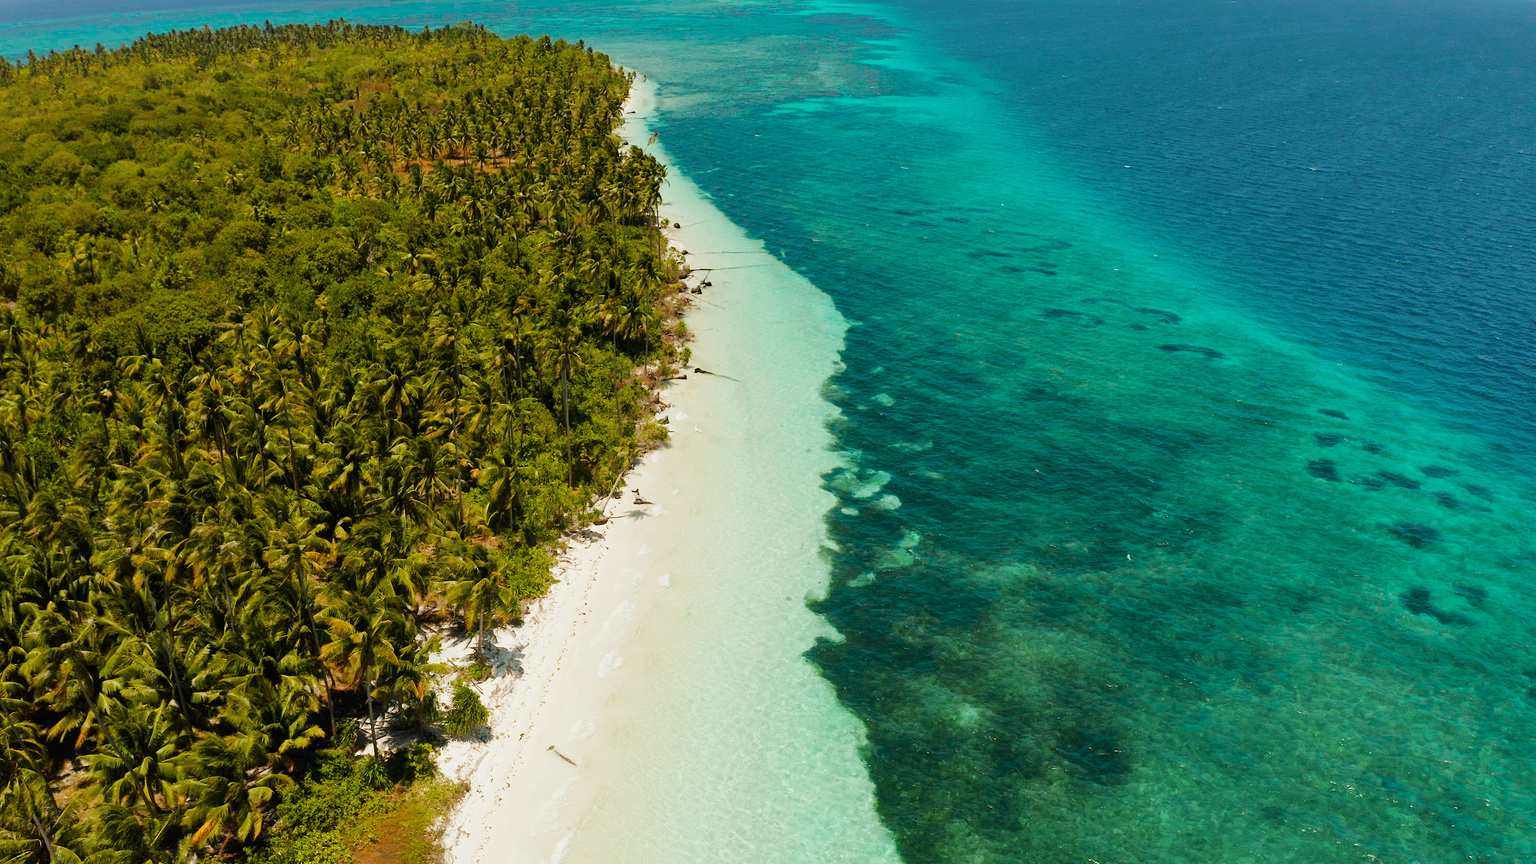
<point x="364" y="628"/>
<point x="562" y="347"/>
<point x="411" y="681"/>
<point x="296" y="549"/>
<point x="228" y="788"/>
<point x="24" y="787"/>
<point x="242" y="527"/>
<point x="138" y="757"/>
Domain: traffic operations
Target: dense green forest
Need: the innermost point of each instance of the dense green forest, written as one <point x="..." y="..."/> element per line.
<point x="315" y="339"/>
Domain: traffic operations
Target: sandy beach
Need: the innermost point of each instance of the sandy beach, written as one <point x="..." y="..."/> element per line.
<point x="545" y="699"/>
<point x="546" y="694"/>
<point x="656" y="704"/>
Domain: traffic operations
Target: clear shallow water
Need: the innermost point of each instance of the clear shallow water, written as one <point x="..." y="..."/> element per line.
<point x="719" y="742"/>
<point x="1116" y="580"/>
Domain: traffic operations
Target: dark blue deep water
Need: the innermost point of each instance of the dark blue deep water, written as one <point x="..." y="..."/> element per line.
<point x="1187" y="407"/>
<point x="1361" y="175"/>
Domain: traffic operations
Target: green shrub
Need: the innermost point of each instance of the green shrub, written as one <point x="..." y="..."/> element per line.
<point x="478" y="670"/>
<point x="467" y="714"/>
<point x="419" y="764"/>
<point x="312" y="821"/>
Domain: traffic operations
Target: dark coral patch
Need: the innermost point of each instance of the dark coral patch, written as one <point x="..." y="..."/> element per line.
<point x="1448" y="501"/>
<point x="1096" y="755"/>
<point x="1084" y="320"/>
<point x="1168" y="317"/>
<point x="1333" y="412"/>
<point x="1474" y="594"/>
<point x="1417" y="536"/>
<point x="1324" y="469"/>
<point x="1480" y="491"/>
<point x="1328" y="439"/>
<point x="1194" y="349"/>
<point x="1374" y="484"/>
<point x="1418" y="601"/>
<point x="1438" y="471"/>
<point x="1373" y="447"/>
<point x="1398" y="480"/>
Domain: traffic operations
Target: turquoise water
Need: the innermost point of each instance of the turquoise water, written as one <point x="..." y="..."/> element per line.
<point x="1186" y="512"/>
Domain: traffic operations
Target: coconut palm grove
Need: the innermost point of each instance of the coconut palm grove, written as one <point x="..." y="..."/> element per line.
<point x="316" y="341"/>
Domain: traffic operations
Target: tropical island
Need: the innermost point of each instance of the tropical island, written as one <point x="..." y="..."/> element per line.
<point x="317" y="340"/>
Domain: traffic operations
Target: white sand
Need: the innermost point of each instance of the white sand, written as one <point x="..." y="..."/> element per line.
<point x="666" y="664"/>
<point x="590" y="605"/>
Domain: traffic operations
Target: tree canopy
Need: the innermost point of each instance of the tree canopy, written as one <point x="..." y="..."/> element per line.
<point x="312" y="336"/>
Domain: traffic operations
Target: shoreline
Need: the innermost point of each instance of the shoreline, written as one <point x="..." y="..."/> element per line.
<point x="665" y="709"/>
<point x="527" y="697"/>
<point x="529" y="694"/>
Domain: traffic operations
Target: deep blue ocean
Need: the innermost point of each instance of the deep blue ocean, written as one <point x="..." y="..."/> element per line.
<point x="1188" y="407"/>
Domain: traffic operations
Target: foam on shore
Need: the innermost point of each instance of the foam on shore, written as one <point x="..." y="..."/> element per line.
<point x="665" y="711"/>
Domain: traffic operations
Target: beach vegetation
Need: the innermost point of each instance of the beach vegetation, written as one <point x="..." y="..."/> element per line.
<point x="314" y="341"/>
<point x="466" y="715"/>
